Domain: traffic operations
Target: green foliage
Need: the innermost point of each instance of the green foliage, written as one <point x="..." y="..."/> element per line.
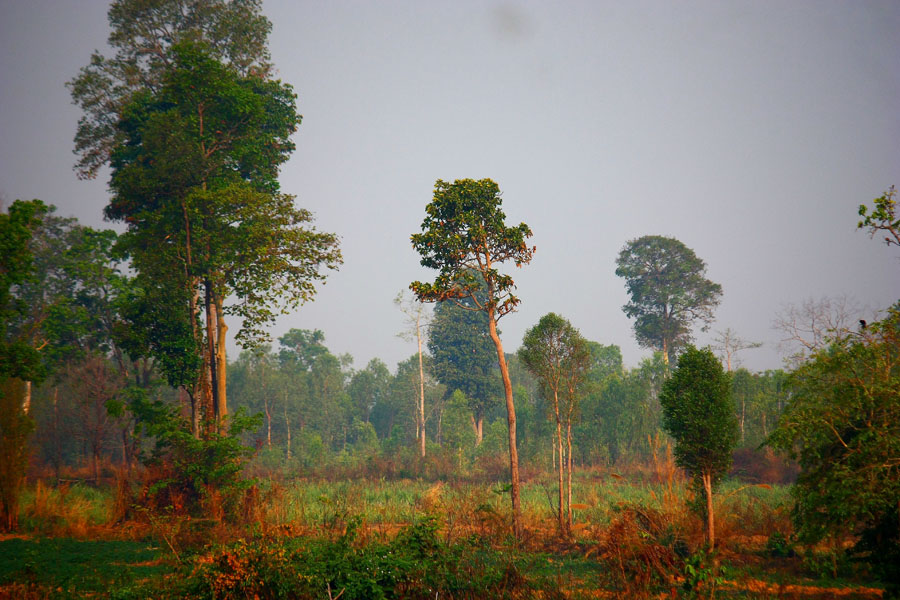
<point x="669" y="291"/>
<point x="18" y="356"/>
<point x="191" y="470"/>
<point x="464" y="235"/>
<point x="622" y="412"/>
<point x="143" y="36"/>
<point x="558" y="356"/>
<point x="698" y="414"/>
<point x="702" y="575"/>
<point x="417" y="564"/>
<point x="779" y="546"/>
<point x="457" y="433"/>
<point x="196" y="176"/>
<point x="463" y="355"/>
<point x="758" y="401"/>
<point x="883" y="217"/>
<point x="843" y="426"/>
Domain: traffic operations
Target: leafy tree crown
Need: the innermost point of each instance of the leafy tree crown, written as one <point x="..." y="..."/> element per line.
<point x="698" y="414"/>
<point x="464" y="236"/>
<point x="669" y="291"/>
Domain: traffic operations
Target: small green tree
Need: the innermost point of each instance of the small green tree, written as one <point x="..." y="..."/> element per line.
<point x="559" y="357"/>
<point x="698" y="414"/>
<point x="464" y="236"/>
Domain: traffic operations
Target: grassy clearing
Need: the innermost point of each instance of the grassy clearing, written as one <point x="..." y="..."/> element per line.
<point x="67" y="568"/>
<point x="631" y="539"/>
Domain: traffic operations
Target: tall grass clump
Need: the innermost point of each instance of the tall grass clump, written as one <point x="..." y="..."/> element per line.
<point x="67" y="510"/>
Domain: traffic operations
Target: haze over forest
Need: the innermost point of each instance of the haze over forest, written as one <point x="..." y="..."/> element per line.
<point x="749" y="131"/>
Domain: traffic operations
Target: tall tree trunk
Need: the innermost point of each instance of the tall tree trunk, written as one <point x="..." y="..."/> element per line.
<point x="221" y="365"/>
<point x="569" y="476"/>
<point x="421" y="415"/>
<point x="192" y="282"/>
<point x="268" y="421"/>
<point x="212" y="338"/>
<point x="57" y="438"/>
<point x="26" y="401"/>
<point x="559" y="464"/>
<point x="287" y="424"/>
<point x="511" y="422"/>
<point x="478" y="421"/>
<point x="710" y="521"/>
<point x="195" y="410"/>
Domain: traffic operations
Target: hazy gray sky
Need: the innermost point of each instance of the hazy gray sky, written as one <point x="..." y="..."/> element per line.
<point x="750" y="131"/>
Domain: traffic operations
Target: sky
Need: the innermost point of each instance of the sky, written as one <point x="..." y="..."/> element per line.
<point x="749" y="130"/>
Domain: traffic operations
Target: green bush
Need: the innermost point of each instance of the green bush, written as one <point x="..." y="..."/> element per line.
<point x="417" y="564"/>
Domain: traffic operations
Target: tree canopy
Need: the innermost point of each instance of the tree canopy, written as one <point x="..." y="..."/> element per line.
<point x="143" y="35"/>
<point x="669" y="291"/>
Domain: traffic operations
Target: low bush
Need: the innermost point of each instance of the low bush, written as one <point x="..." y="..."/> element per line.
<point x="416" y="564"/>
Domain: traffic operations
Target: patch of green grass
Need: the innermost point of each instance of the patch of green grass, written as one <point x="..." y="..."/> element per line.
<point x="68" y="567"/>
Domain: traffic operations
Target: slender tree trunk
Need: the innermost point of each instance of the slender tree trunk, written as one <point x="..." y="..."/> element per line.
<point x="57" y="437"/>
<point x="710" y="521"/>
<point x="195" y="411"/>
<point x="212" y="338"/>
<point x="559" y="464"/>
<point x="569" y="476"/>
<point x="287" y="424"/>
<point x="743" y="414"/>
<point x="479" y="428"/>
<point x="511" y="421"/>
<point x="268" y="421"/>
<point x="221" y="365"/>
<point x="421" y="416"/>
<point x="26" y="401"/>
<point x="192" y="283"/>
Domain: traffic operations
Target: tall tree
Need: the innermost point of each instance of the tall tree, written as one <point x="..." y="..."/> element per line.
<point x="669" y="292"/>
<point x="559" y="357"/>
<point x="464" y="236"/>
<point x="418" y="321"/>
<point x="197" y="176"/>
<point x="19" y="360"/>
<point x="464" y="357"/>
<point x="195" y="132"/>
<point x="698" y="414"/>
